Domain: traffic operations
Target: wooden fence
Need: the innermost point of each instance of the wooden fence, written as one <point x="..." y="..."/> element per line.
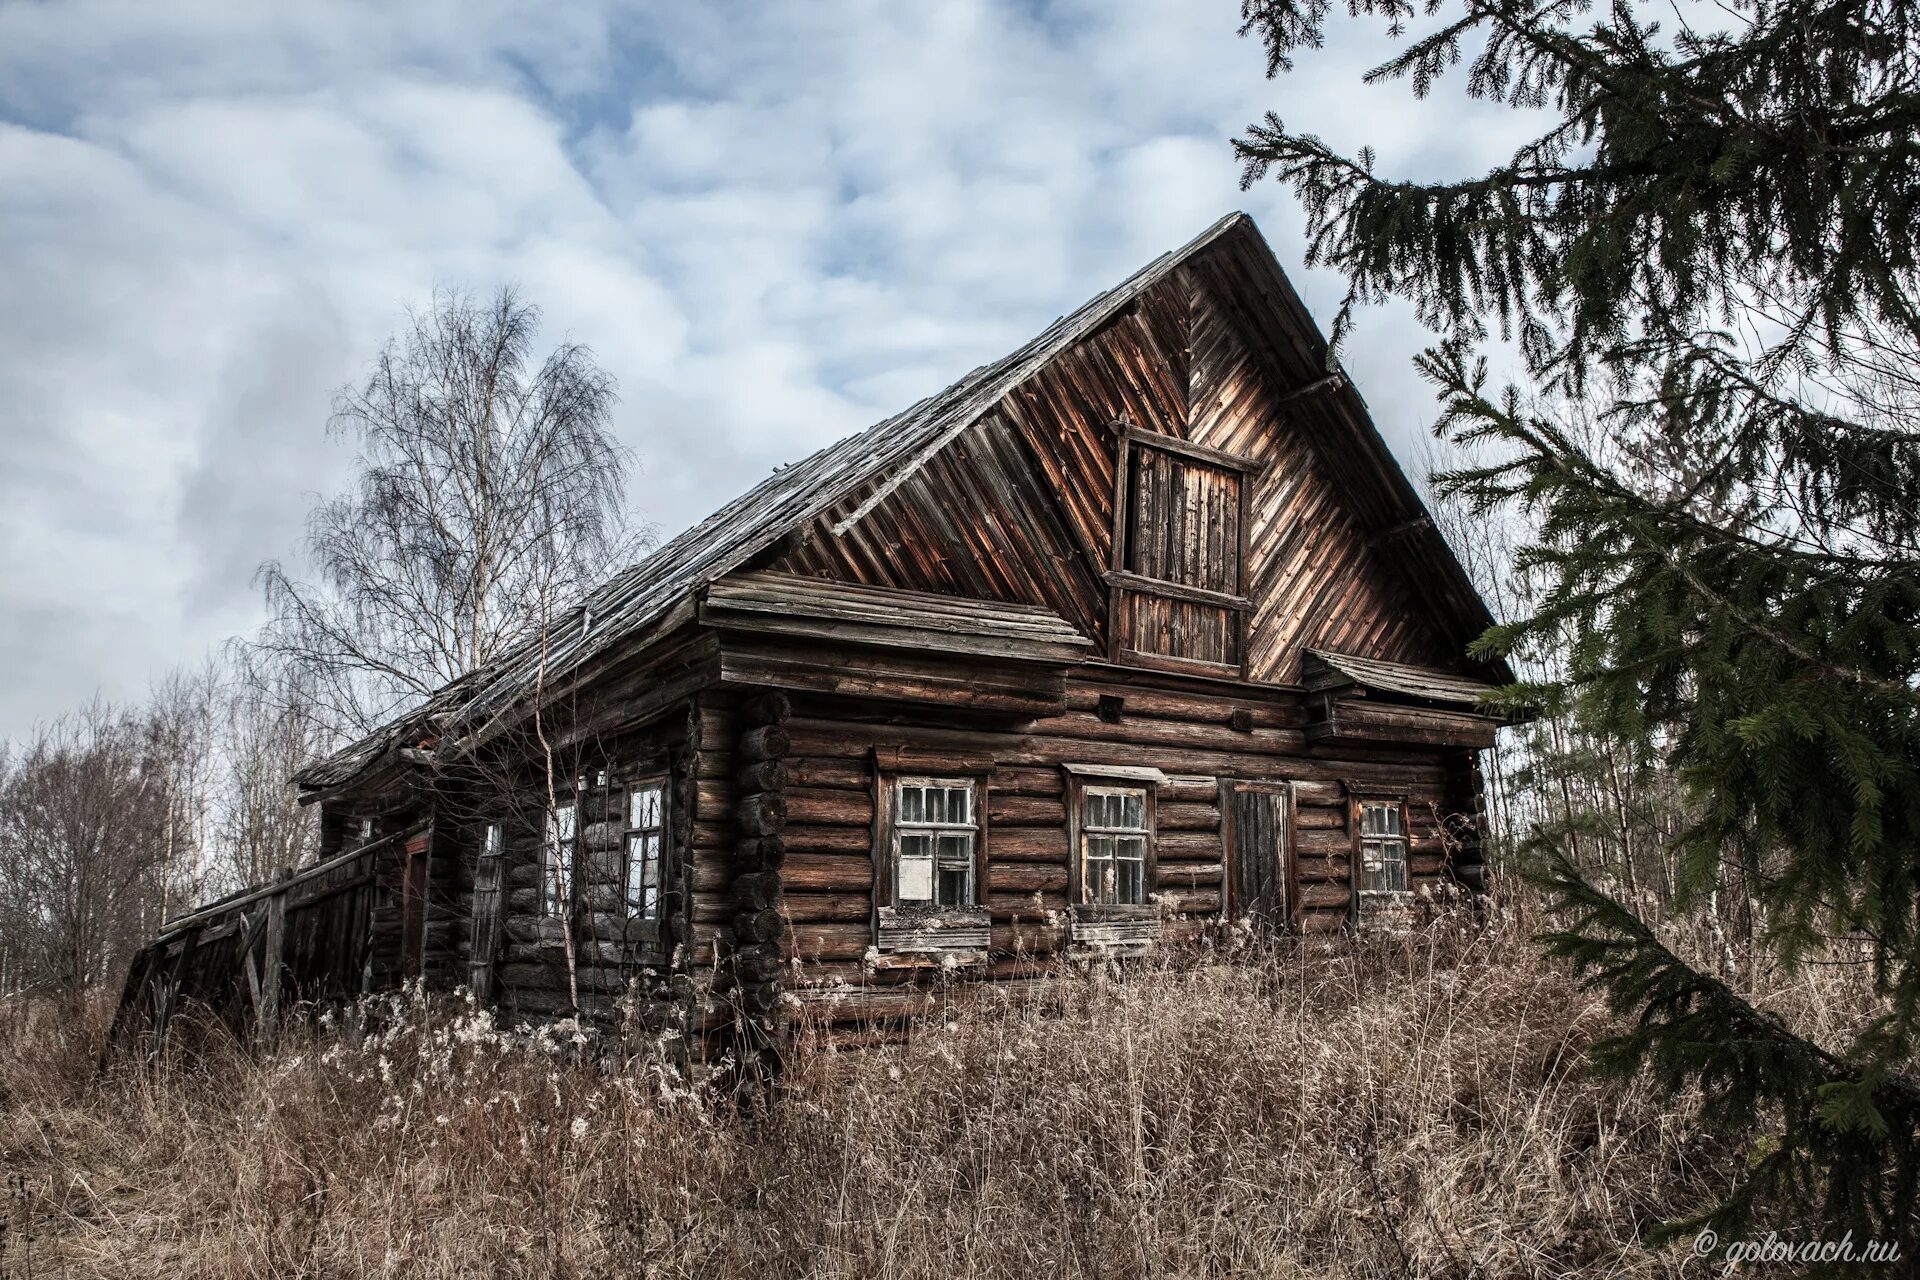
<point x="246" y="958"/>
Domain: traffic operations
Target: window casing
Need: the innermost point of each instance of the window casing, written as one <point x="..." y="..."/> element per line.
<point x="644" y="845"/>
<point x="1113" y="846"/>
<point x="936" y="836"/>
<point x="1112" y="875"/>
<point x="1383" y="847"/>
<point x="930" y="863"/>
<point x="632" y="864"/>
<point x="557" y="852"/>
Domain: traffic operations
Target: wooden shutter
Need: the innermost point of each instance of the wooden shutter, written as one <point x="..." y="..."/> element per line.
<point x="1178" y="591"/>
<point x="488" y="901"/>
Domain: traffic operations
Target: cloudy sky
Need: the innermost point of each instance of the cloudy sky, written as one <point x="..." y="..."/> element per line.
<point x="773" y="225"/>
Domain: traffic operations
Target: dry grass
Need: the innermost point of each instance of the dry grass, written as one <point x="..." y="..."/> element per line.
<point x="1412" y="1108"/>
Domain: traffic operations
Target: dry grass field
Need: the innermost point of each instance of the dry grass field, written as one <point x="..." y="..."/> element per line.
<point x="1413" y="1107"/>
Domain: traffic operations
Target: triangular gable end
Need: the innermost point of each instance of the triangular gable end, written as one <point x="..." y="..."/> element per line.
<point x="1218" y="353"/>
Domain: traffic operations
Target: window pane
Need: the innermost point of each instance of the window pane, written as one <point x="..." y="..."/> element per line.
<point x="913" y="804"/>
<point x="1133" y="810"/>
<point x="916" y="878"/>
<point x="956" y="849"/>
<point x="643" y="805"/>
<point x="956" y="886"/>
<point x="1130" y="882"/>
<point x="643" y="875"/>
<point x="1101" y="810"/>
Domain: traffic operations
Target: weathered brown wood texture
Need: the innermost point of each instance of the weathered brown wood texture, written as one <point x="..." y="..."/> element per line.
<point x="1021" y="507"/>
<point x="829" y="871"/>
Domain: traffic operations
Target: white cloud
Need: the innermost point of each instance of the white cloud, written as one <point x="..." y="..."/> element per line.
<point x="772" y="224"/>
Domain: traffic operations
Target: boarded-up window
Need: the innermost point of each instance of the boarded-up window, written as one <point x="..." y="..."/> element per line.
<point x="1186" y="522"/>
<point x="1178" y="574"/>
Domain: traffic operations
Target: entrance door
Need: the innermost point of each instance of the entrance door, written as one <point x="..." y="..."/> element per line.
<point x="413" y="908"/>
<point x="1261" y="870"/>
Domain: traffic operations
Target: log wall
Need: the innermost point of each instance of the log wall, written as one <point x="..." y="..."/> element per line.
<point x="827" y="876"/>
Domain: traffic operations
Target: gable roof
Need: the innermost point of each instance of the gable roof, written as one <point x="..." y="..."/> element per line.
<point x="884" y="455"/>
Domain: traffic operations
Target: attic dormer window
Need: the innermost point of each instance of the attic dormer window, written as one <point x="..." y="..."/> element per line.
<point x="1179" y="557"/>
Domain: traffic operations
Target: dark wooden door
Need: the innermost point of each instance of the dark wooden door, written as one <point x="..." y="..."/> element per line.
<point x="1261" y="871"/>
<point x="413" y="908"/>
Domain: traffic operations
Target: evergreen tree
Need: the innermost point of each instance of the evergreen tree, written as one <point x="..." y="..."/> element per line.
<point x="1710" y="248"/>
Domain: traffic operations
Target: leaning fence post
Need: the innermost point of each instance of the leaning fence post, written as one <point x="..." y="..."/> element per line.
<point x="270" y="949"/>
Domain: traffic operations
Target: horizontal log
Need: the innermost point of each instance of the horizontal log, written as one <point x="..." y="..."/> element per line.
<point x="814" y="908"/>
<point x="1338" y="868"/>
<point x="1319" y="818"/>
<point x="766" y="775"/>
<point x="1191" y="901"/>
<point x="1035" y="905"/>
<point x="1320" y="894"/>
<point x="1195" y="845"/>
<point x="555" y="1003"/>
<point x="710" y="876"/>
<point x="1187" y="817"/>
<point x="1183" y="790"/>
<point x="757" y="890"/>
<point x="1039" y="750"/>
<point x="1028" y="937"/>
<point x="831" y="941"/>
<point x="759" y="926"/>
<point x="848" y="773"/>
<point x="1026" y="877"/>
<point x="816" y="872"/>
<point x="761" y="815"/>
<point x="1188" y="874"/>
<point x="828" y="808"/>
<point x="1159" y="704"/>
<point x="766" y="852"/>
<point x="1028" y="781"/>
<point x="1024" y="811"/>
<point x="771" y="707"/>
<point x="1027" y="844"/>
<point x="801" y="840"/>
<point x="1322" y="843"/>
<point x="863" y="1004"/>
<point x="762" y="963"/>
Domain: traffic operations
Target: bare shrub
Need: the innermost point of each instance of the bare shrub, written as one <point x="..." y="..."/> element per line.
<point x="1414" y="1107"/>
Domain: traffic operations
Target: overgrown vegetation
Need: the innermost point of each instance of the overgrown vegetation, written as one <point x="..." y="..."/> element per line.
<point x="1415" y="1107"/>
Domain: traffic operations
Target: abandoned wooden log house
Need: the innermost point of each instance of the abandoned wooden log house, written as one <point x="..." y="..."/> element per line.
<point x="1137" y="629"/>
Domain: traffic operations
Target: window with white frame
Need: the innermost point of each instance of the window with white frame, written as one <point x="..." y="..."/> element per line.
<point x="556" y="857"/>
<point x="645" y="842"/>
<point x="1383" y="847"/>
<point x="1113" y="845"/>
<point x="936" y="833"/>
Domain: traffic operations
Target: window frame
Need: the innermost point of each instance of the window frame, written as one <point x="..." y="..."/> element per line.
<point x="1367" y="900"/>
<point x="1083" y="780"/>
<point x="1121" y="580"/>
<point x="927" y="928"/>
<point x="553" y="851"/>
<point x="900" y="827"/>
<point x="663" y="834"/>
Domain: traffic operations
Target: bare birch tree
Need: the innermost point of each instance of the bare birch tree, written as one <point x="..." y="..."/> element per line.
<point x="487" y="485"/>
